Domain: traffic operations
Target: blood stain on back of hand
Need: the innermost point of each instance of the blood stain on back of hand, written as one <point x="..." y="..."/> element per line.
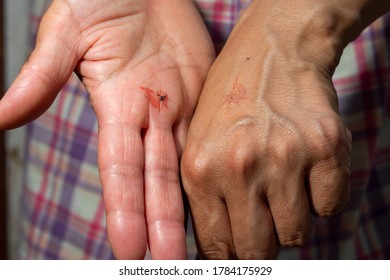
<point x="237" y="93"/>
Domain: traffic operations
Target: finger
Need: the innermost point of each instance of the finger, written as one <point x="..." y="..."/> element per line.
<point x="211" y="224"/>
<point x="121" y="171"/>
<point x="163" y="197"/>
<point x="329" y="187"/>
<point x="328" y="179"/>
<point x="180" y="131"/>
<point x="47" y="70"/>
<point x="211" y="227"/>
<point x="252" y="226"/>
<point x="290" y="210"/>
<point x="121" y="162"/>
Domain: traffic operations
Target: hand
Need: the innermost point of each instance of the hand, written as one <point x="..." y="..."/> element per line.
<point x="266" y="147"/>
<point x="143" y="64"/>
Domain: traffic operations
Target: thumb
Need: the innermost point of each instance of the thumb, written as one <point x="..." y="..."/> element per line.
<point x="44" y="74"/>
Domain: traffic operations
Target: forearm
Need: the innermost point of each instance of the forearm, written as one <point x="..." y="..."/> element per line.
<point x="311" y="30"/>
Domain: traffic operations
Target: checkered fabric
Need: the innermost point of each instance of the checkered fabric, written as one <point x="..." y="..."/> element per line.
<point x="62" y="211"/>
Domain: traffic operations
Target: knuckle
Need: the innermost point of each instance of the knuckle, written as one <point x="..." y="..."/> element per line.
<point x="325" y="211"/>
<point x="217" y="251"/>
<point x="284" y="151"/>
<point x="329" y="137"/>
<point x="223" y="157"/>
<point x="240" y="158"/>
<point x="294" y="239"/>
<point x="283" y="155"/>
<point x="294" y="232"/>
<point x="196" y="165"/>
<point x="241" y="147"/>
<point x="216" y="255"/>
<point x="332" y="208"/>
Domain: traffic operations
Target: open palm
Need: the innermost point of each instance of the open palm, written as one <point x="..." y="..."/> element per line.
<point x="144" y="64"/>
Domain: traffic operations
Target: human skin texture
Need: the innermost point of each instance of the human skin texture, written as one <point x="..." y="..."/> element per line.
<point x="131" y="55"/>
<point x="267" y="147"/>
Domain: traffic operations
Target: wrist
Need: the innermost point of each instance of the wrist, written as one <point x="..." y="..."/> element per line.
<point x="314" y="31"/>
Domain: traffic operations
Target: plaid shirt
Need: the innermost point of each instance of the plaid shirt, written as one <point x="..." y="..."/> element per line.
<point x="62" y="210"/>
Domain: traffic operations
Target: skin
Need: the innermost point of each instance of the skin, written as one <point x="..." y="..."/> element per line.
<point x="267" y="148"/>
<point x="117" y="47"/>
